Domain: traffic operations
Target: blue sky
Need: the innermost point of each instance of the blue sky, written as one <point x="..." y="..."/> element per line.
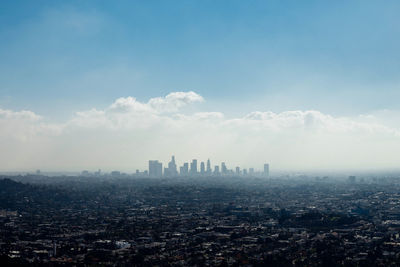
<point x="111" y="84"/>
<point x="340" y="57"/>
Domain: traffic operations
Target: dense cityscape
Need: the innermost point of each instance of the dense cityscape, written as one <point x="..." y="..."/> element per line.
<point x="207" y="221"/>
<point x="199" y="133"/>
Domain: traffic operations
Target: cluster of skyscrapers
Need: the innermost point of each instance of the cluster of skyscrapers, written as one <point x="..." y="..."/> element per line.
<point x="156" y="169"/>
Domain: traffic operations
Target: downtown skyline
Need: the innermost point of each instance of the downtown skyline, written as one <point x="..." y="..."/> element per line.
<point x="156" y="169"/>
<point x="194" y="168"/>
<point x="199" y="133"/>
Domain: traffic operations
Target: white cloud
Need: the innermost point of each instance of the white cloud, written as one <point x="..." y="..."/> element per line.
<point x="129" y="132"/>
<point x="19" y="115"/>
<point x="130" y="104"/>
<point x="173" y="101"/>
<point x="24" y="125"/>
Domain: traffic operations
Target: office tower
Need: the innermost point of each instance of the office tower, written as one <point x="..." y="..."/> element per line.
<point x="251" y="171"/>
<point x="159" y="169"/>
<point x="244" y="172"/>
<point x="224" y="170"/>
<point x="171" y="170"/>
<point x="202" y="168"/>
<point x="266" y="169"/>
<point x="216" y="170"/>
<point x="237" y="170"/>
<point x="184" y="170"/>
<point x="193" y="167"/>
<point x="155" y="168"/>
<point x="208" y="167"/>
<point x="152" y="167"/>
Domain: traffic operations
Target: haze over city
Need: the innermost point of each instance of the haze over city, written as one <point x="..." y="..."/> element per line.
<point x="199" y="133"/>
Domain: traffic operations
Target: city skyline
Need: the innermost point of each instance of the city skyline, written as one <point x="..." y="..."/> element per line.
<point x="156" y="169"/>
<point x="191" y="168"/>
<point x="199" y="133"/>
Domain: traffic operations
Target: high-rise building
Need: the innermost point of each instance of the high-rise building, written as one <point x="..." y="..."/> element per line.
<point x="244" y="172"/>
<point x="193" y="167"/>
<point x="251" y="171"/>
<point x="171" y="170"/>
<point x="202" y="168"/>
<point x="224" y="170"/>
<point x="208" y="167"/>
<point x="155" y="168"/>
<point x="216" y="170"/>
<point x="237" y="170"/>
<point x="266" y="169"/>
<point x="181" y="170"/>
<point x="184" y="170"/>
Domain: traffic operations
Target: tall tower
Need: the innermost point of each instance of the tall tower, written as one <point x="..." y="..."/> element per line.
<point x="171" y="168"/>
<point x="224" y="170"/>
<point x="208" y="167"/>
<point x="193" y="167"/>
<point x="251" y="171"/>
<point x="184" y="170"/>
<point x="237" y="170"/>
<point x="155" y="168"/>
<point x="266" y="169"/>
<point x="202" y="168"/>
<point x="216" y="170"/>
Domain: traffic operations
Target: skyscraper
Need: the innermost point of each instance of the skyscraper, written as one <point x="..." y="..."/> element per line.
<point x="224" y="170"/>
<point x="184" y="170"/>
<point x="202" y="168"/>
<point x="171" y="170"/>
<point x="155" y="168"/>
<point x="237" y="170"/>
<point x="216" y="170"/>
<point x="193" y="167"/>
<point x="251" y="171"/>
<point x="266" y="169"/>
<point x="208" y="167"/>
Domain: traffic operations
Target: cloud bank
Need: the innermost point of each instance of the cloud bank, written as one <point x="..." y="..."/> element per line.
<point x="128" y="132"/>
